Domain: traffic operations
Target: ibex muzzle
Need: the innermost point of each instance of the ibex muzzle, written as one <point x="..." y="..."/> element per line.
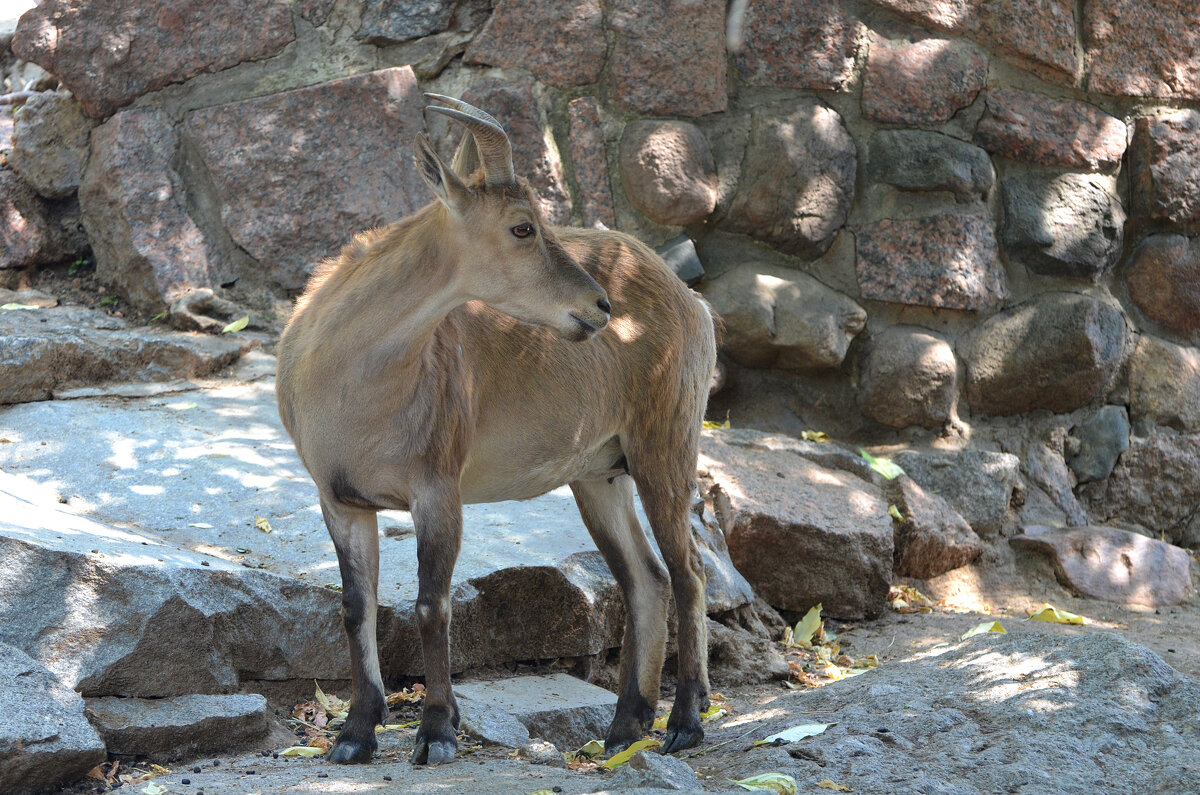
<point x="470" y="353"/>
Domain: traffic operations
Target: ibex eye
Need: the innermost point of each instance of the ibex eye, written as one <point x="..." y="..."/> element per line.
<point x="523" y="230"/>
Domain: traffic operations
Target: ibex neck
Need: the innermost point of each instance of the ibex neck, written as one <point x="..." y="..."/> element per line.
<point x="397" y="292"/>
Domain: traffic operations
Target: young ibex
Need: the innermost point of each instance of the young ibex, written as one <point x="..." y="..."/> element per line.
<point x="470" y="353"/>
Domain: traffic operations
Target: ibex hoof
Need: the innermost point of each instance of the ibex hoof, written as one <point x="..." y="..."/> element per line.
<point x="681" y="737"/>
<point x="349" y="751"/>
<point x="435" y="752"/>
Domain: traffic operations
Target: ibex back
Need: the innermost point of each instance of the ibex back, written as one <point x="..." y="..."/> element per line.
<point x="469" y="353"/>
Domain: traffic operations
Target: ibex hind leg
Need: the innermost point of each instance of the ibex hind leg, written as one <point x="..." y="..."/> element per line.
<point x="608" y="512"/>
<point x="355" y="534"/>
<point x="663" y="471"/>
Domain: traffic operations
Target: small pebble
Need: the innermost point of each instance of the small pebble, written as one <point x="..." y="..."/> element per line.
<point x="196" y="769"/>
<point x="266" y="753"/>
<point x="275" y="755"/>
<point x="251" y="772"/>
<point x="186" y="781"/>
<point x="387" y="778"/>
<point x="557" y="789"/>
<point x="322" y="775"/>
<point x="216" y="762"/>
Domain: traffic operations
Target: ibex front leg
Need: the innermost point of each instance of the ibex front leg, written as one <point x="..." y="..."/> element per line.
<point x="355" y="534"/>
<point x="438" y="519"/>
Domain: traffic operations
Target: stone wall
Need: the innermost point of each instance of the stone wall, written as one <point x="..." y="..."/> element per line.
<point x="919" y="218"/>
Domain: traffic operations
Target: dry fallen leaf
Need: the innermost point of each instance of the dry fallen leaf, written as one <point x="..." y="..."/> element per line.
<point x="795" y="733"/>
<point x="827" y="784"/>
<point x="262" y="524"/>
<point x="621" y="757"/>
<point x="979" y="629"/>
<point x="770" y="782"/>
<point x="302" y="750"/>
<point x="1051" y="613"/>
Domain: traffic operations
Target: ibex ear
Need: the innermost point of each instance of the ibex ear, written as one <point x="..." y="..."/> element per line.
<point x="445" y="184"/>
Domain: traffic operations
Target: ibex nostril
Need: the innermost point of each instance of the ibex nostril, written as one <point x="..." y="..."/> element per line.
<point x="605" y="307"/>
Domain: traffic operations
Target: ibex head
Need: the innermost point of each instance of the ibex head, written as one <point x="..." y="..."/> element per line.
<point x="507" y="257"/>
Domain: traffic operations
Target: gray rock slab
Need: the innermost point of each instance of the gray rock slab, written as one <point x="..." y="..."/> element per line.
<point x="919" y="160"/>
<point x="680" y="255"/>
<point x="558" y="708"/>
<point x="114" y="611"/>
<point x="1114" y="565"/>
<point x="977" y="483"/>
<point x="647" y="769"/>
<point x="192" y="472"/>
<point x="482" y="719"/>
<point x="1100" y="438"/>
<point x="44" y="351"/>
<point x="164" y="729"/>
<point x="1020" y="712"/>
<point x="45" y="740"/>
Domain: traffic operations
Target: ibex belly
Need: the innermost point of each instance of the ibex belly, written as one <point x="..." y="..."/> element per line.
<point x="516" y="472"/>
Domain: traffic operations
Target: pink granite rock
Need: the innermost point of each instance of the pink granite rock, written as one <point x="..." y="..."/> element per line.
<point x="518" y="32"/>
<point x="669" y="56"/>
<point x="797" y="45"/>
<point x="1164" y="281"/>
<point x="1143" y="48"/>
<point x="1113" y="565"/>
<point x="945" y="261"/>
<point x="135" y="210"/>
<point x="590" y="160"/>
<point x="799" y="533"/>
<point x="514" y="105"/>
<point x="925" y="82"/>
<point x="667" y="171"/>
<point x="1039" y="34"/>
<point x="300" y="172"/>
<point x="933" y="538"/>
<point x="908" y="376"/>
<point x="28" y="233"/>
<point x="1036" y="129"/>
<point x="797" y="180"/>
<point x="110" y="52"/>
<point x="1164" y="166"/>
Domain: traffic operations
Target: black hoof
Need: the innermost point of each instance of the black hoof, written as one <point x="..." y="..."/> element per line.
<point x="682" y="737"/>
<point x="352" y="751"/>
<point x="631" y="722"/>
<point x="436" y="738"/>
<point x="434" y="752"/>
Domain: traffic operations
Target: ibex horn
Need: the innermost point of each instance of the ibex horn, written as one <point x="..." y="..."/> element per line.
<point x="495" y="151"/>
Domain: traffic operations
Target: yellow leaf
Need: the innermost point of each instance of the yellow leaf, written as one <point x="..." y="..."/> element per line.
<point x="1050" y="613"/>
<point x="979" y="629"/>
<point x="795" y="734"/>
<point x="154" y="789"/>
<point x="770" y="782"/>
<point x="590" y="749"/>
<point x="884" y="466"/>
<point x="714" y="712"/>
<point x="660" y="722"/>
<point x="814" y="436"/>
<point x="262" y="524"/>
<point x="8" y="307"/>
<point x="712" y="425"/>
<point x="807" y="627"/>
<point x="237" y="325"/>
<point x="827" y="784"/>
<point x="620" y="758"/>
<point x="302" y="750"/>
<point x="894" y="512"/>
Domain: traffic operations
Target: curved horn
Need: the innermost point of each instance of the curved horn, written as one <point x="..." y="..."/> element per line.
<point x="495" y="151"/>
